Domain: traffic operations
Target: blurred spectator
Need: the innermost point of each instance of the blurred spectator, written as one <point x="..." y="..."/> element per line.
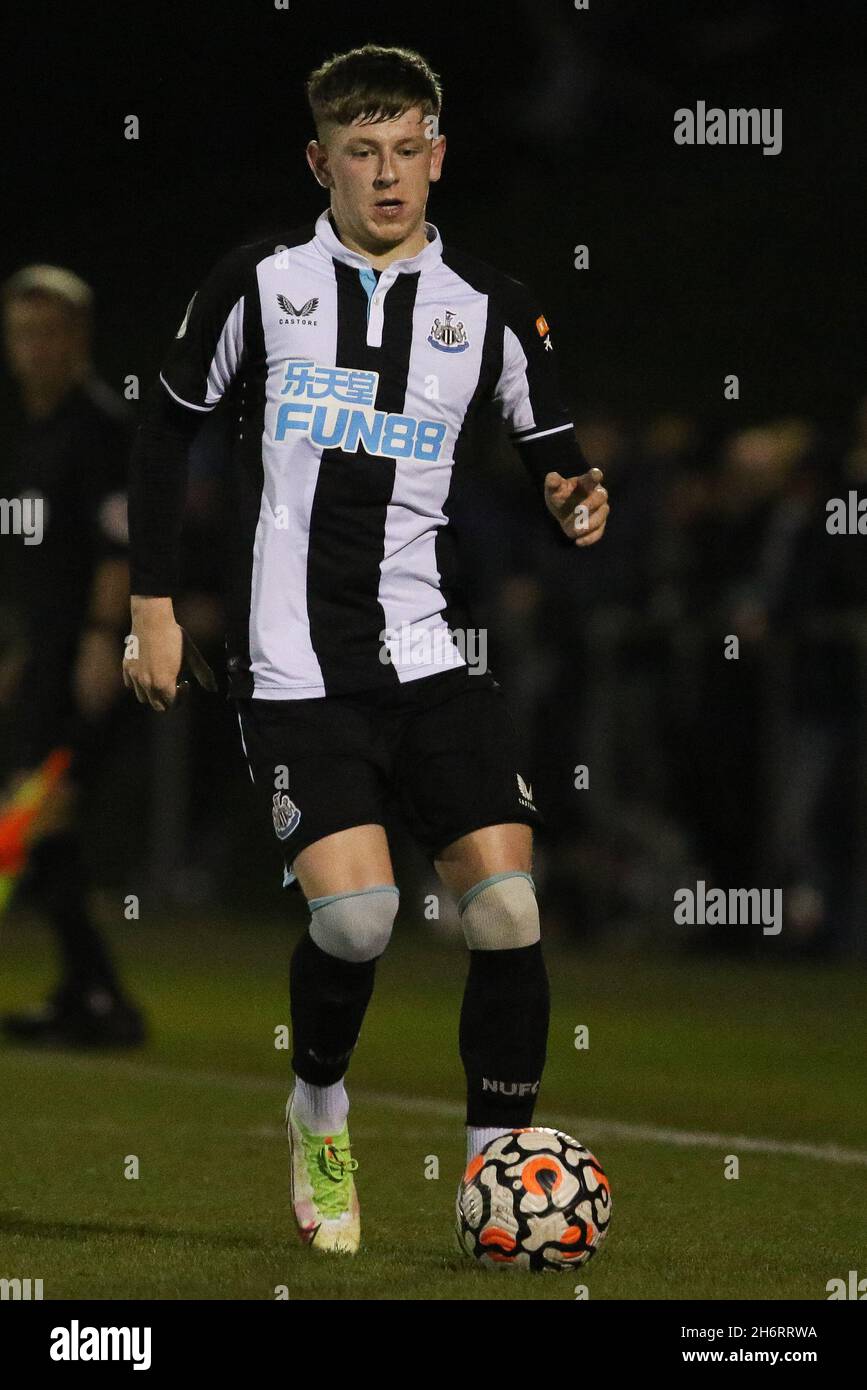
<point x="65" y="611"/>
<point x="743" y="770"/>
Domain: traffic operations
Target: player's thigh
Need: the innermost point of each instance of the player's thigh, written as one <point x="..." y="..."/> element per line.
<point x="320" y="789"/>
<point x="494" y="849"/>
<point x="345" y="862"/>
<point x="464" y="789"/>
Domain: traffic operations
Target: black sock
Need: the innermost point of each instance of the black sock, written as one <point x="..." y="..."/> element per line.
<point x="504" y="1034"/>
<point x="328" y="999"/>
<point x="59" y="881"/>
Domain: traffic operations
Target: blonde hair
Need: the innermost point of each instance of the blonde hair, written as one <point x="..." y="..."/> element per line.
<point x="52" y="281"/>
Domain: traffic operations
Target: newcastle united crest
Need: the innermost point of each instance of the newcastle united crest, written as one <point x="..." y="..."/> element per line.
<point x="286" y="815"/>
<point x="448" y="335"/>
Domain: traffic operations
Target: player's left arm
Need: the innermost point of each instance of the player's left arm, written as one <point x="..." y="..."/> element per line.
<point x="528" y="393"/>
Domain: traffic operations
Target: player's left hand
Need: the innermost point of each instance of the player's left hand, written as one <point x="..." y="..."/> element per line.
<point x="579" y="504"/>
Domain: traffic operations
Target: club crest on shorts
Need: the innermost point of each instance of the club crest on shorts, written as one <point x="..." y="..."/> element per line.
<point x="286" y="815"/>
<point x="525" y="793"/>
<point x="447" y="335"/>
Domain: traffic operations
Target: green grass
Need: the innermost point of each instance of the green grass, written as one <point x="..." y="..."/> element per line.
<point x="707" y="1048"/>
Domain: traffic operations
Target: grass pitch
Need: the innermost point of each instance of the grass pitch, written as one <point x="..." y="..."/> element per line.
<point x="689" y="1062"/>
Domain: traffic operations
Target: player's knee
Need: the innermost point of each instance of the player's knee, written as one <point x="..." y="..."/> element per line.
<point x="354" y="926"/>
<point x="500" y="913"/>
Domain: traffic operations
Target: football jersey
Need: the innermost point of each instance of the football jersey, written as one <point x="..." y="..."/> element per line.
<point x="352" y="393"/>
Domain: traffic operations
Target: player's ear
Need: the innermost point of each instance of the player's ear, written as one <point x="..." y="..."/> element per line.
<point x="317" y="158"/>
<point x="437" y="155"/>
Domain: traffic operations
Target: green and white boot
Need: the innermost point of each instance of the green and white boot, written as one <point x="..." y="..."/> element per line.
<point x="323" y="1188"/>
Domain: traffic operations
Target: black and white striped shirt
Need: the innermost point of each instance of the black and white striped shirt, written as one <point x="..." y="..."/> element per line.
<point x="355" y="390"/>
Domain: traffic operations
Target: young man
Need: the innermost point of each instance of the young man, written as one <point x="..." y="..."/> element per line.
<point x="358" y="352"/>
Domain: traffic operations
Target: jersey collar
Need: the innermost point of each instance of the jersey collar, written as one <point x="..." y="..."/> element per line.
<point x="329" y="243"/>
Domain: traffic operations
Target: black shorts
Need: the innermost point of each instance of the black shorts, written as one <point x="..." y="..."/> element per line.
<point x="441" y="751"/>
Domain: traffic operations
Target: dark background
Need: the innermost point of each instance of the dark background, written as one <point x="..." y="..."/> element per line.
<point x="703" y="262"/>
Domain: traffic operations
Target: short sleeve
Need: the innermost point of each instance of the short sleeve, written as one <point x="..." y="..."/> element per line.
<point x="208" y="347"/>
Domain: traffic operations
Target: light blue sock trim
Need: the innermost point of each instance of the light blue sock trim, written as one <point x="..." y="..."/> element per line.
<point x="486" y="883"/>
<point x="315" y="903"/>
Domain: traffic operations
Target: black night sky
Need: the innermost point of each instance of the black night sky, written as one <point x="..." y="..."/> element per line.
<point x="703" y="261"/>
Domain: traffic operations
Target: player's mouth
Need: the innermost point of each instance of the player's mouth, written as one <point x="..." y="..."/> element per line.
<point x="389" y="207"/>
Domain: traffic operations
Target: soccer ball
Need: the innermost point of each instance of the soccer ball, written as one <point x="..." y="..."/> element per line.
<point x="533" y="1199"/>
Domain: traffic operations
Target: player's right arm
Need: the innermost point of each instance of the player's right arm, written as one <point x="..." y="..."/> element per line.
<point x="206" y="354"/>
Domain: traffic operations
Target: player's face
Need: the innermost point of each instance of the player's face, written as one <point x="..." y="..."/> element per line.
<point x="45" y="342"/>
<point x="379" y="173"/>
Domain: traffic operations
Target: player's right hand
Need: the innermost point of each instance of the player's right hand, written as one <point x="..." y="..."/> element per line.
<point x="154" y="652"/>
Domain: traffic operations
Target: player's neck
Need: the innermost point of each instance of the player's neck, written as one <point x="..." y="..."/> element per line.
<point x="410" y="246"/>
